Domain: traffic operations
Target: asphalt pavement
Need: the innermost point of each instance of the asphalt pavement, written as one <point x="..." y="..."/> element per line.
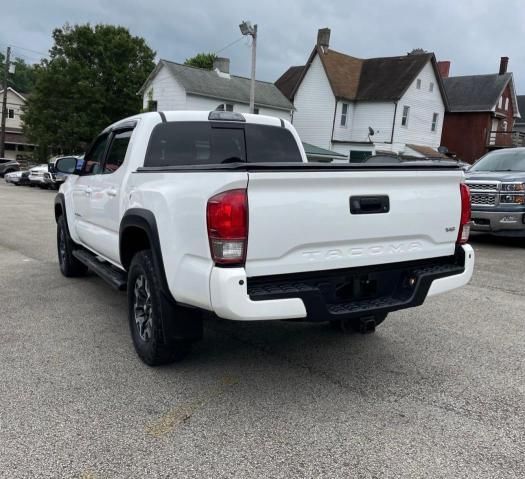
<point x="437" y="391"/>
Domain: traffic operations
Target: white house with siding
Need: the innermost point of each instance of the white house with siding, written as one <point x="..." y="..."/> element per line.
<point x="360" y="107"/>
<point x="173" y="86"/>
<point x="17" y="146"/>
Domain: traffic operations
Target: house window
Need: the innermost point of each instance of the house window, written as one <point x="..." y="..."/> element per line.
<point x="344" y="114"/>
<point x="504" y="125"/>
<point x="404" y="118"/>
<point x="418" y="84"/>
<point x="224" y="107"/>
<point x="506" y="104"/>
<point x="431" y="87"/>
<point x="256" y="111"/>
<point x="500" y="102"/>
<point x="435" y="117"/>
<point x="10" y="113"/>
<point x="152" y="105"/>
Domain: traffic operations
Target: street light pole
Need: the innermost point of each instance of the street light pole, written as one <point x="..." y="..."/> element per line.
<point x="254" y="55"/>
<point x="248" y="29"/>
<point x="4" y="103"/>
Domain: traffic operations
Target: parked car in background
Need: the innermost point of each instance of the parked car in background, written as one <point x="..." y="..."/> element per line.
<point x="8" y="166"/>
<point x="17" y="178"/>
<point x="497" y="190"/>
<point x="36" y="175"/>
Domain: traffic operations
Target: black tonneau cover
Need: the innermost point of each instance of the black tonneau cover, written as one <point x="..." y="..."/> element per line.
<point x="310" y="166"/>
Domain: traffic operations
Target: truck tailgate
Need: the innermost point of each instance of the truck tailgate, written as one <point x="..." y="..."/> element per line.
<point x="302" y="221"/>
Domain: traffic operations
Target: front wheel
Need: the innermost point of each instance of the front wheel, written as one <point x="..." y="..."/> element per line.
<point x="147" y="314"/>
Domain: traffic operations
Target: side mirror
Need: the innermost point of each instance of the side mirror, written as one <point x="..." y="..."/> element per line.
<point x="67" y="165"/>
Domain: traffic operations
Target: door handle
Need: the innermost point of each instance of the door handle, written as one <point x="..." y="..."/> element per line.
<point x="112" y="192"/>
<point x="366" y="205"/>
<point x="88" y="191"/>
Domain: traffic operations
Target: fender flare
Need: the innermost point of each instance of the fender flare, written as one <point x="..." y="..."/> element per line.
<point x="60" y="200"/>
<point x="145" y="220"/>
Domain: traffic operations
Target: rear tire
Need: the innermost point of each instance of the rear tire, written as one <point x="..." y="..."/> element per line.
<point x="356" y="325"/>
<point x="147" y="313"/>
<point x="70" y="267"/>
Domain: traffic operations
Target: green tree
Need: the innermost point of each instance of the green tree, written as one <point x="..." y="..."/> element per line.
<point x="201" y="60"/>
<point x="90" y="81"/>
<point x="23" y="78"/>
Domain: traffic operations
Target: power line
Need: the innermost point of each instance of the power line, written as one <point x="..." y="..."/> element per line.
<point x="229" y="45"/>
<point x="29" y="50"/>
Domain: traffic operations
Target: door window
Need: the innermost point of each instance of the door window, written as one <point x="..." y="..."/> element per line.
<point x="95" y="156"/>
<point x="117" y="151"/>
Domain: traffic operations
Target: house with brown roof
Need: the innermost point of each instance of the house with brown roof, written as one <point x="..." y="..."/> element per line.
<point x="361" y="106"/>
<point x="481" y="114"/>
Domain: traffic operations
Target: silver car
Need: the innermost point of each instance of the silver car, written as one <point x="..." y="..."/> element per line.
<point x="8" y="166"/>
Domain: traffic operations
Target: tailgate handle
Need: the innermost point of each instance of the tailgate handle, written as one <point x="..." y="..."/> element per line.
<point x="367" y="205"/>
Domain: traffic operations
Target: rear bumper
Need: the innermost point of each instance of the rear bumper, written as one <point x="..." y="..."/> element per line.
<point x="327" y="295"/>
<point x="502" y="223"/>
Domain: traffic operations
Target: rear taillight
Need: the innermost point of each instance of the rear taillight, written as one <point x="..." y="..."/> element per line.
<point x="464" y="224"/>
<point x="227" y="217"/>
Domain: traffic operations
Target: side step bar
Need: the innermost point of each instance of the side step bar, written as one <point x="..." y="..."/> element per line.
<point x="107" y="272"/>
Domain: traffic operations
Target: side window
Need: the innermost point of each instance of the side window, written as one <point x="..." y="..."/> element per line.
<point x="117" y="151"/>
<point x="95" y="156"/>
<point x="344" y="114"/>
<point x="404" y="118"/>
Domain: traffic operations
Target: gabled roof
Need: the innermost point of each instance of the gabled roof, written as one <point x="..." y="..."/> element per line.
<point x="12" y="90"/>
<point x="201" y="82"/>
<point x="356" y="79"/>
<point x="287" y="81"/>
<point x="521" y="106"/>
<point x="388" y="78"/>
<point x="476" y="92"/>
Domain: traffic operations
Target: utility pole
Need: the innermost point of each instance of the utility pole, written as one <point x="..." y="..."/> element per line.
<point x="4" y="103"/>
<point x="248" y="29"/>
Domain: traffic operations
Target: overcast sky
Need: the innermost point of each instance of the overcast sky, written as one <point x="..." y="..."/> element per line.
<point x="473" y="34"/>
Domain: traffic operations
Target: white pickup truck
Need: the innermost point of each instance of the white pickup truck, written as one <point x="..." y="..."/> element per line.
<point x="221" y="212"/>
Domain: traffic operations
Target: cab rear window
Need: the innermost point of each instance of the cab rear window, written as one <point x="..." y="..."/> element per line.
<point x="203" y="143"/>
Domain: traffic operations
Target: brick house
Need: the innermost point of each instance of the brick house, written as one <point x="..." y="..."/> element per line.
<point x="481" y="112"/>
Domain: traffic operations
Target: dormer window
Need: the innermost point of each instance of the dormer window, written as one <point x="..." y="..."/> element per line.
<point x="500" y="102"/>
<point x="431" y="87"/>
<point x="506" y="104"/>
<point x="418" y="84"/>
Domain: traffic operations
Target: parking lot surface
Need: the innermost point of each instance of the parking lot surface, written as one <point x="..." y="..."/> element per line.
<point x="438" y="391"/>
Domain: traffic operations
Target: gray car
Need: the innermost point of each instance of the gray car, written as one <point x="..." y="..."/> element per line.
<point x="8" y="166"/>
<point x="497" y="190"/>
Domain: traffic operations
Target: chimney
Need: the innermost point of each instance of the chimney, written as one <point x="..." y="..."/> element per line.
<point x="444" y="68"/>
<point x="323" y="38"/>
<point x="503" y="63"/>
<point x="222" y="64"/>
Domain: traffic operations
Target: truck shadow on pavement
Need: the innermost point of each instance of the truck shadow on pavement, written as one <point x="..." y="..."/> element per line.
<point x="497" y="241"/>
